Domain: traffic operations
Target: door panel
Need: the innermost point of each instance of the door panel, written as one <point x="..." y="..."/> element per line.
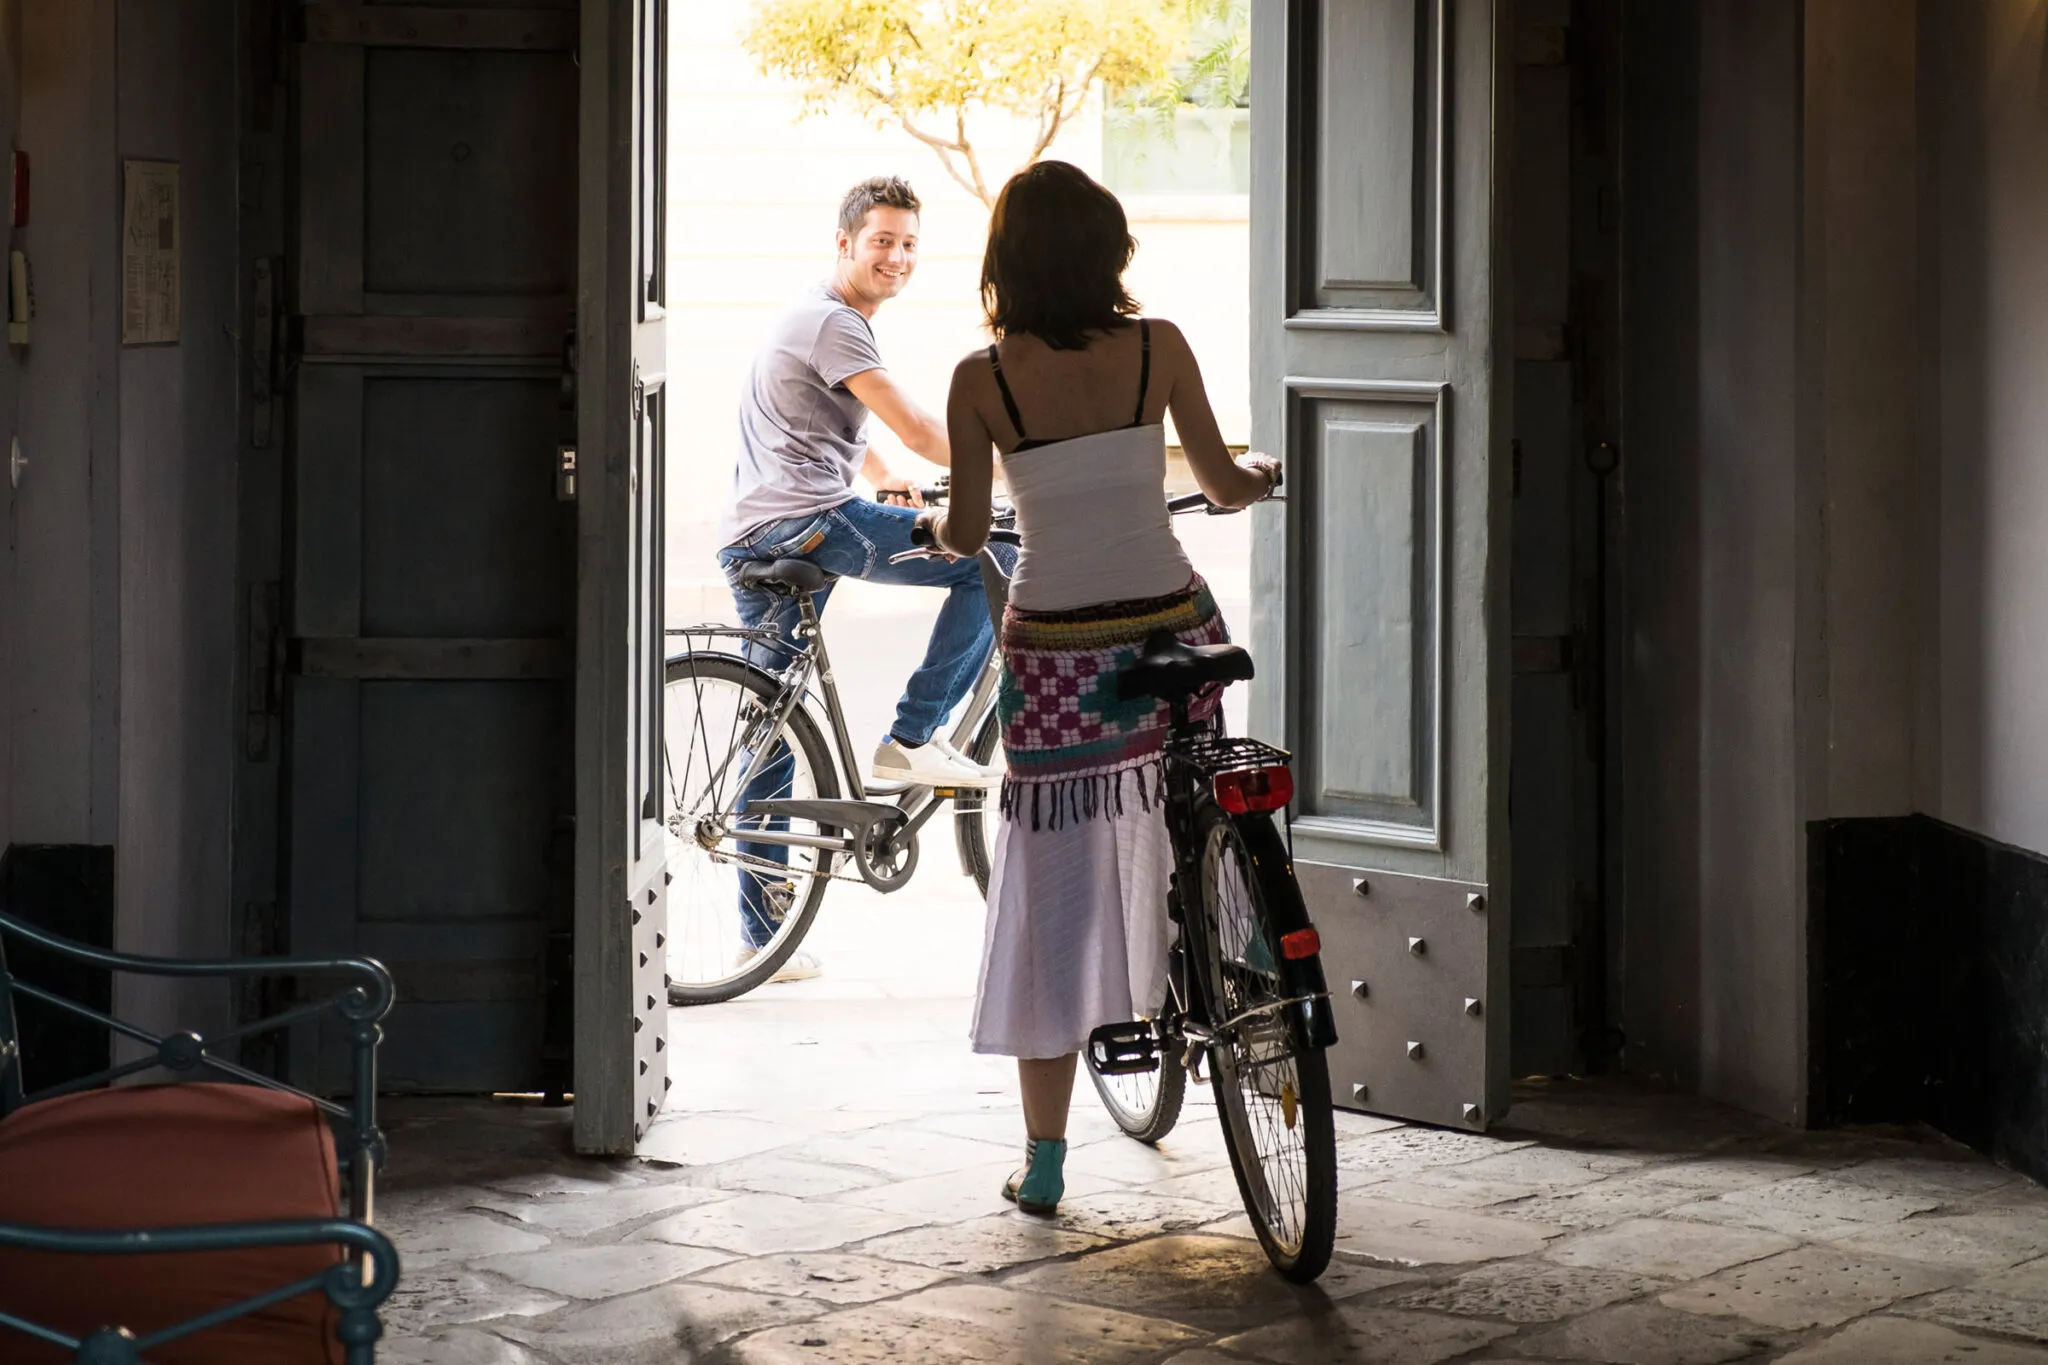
<point x="622" y="847"/>
<point x="428" y="596"/>
<point x="1380" y="617"/>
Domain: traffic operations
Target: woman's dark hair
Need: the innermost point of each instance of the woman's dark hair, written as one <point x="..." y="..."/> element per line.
<point x="1058" y="246"/>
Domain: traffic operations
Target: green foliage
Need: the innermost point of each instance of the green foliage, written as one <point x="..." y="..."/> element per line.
<point x="924" y="66"/>
<point x="1213" y="69"/>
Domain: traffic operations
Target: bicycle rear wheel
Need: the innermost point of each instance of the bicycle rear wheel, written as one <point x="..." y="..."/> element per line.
<point x="736" y="909"/>
<point x="1272" y="1090"/>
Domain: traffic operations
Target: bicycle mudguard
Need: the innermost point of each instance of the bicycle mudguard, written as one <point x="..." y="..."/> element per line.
<point x="1302" y="976"/>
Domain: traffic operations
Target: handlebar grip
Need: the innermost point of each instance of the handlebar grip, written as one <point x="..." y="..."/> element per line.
<point x="921" y="535"/>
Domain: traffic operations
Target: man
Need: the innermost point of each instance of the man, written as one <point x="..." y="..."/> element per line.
<point x="803" y="439"/>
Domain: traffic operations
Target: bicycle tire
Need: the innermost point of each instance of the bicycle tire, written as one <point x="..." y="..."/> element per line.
<point x="1297" y="1222"/>
<point x="1147" y="1121"/>
<point x="971" y="810"/>
<point x="802" y="731"/>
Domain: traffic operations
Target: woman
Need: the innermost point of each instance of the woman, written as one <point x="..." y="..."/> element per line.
<point x="1071" y="398"/>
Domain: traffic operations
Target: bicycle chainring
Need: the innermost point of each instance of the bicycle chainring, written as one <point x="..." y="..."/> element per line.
<point x="886" y="856"/>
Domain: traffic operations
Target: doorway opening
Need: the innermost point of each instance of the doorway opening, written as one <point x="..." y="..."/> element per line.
<point x="754" y="189"/>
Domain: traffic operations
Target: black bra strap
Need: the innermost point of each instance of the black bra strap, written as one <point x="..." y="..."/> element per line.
<point x="1009" y="402"/>
<point x="1144" y="368"/>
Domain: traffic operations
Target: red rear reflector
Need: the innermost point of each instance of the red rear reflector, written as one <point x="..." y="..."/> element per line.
<point x="1300" y="944"/>
<point x="1258" y="790"/>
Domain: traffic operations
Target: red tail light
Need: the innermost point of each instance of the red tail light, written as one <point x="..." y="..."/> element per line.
<point x="1256" y="790"/>
<point x="1300" y="944"/>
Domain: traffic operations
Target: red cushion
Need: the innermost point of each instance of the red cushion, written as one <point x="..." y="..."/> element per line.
<point x="160" y="1157"/>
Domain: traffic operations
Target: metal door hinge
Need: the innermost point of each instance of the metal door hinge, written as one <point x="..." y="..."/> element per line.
<point x="639" y="393"/>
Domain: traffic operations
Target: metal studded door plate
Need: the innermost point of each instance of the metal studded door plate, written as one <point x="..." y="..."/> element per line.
<point x="1414" y="1031"/>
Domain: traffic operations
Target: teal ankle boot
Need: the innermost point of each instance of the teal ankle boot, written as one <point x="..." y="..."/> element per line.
<point x="1038" y="1186"/>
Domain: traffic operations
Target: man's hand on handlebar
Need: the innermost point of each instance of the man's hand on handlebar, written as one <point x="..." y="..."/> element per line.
<point x="897" y="491"/>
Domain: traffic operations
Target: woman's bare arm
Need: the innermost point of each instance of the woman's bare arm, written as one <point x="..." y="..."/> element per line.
<point x="962" y="529"/>
<point x="1223" y="480"/>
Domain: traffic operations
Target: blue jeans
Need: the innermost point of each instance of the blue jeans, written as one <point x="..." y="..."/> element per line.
<point x="855" y="540"/>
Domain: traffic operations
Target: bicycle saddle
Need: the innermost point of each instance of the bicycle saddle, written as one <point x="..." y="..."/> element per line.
<point x="1172" y="671"/>
<point x="785" y="576"/>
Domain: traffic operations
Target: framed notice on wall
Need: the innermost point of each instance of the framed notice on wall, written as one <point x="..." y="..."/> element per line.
<point x="150" y="235"/>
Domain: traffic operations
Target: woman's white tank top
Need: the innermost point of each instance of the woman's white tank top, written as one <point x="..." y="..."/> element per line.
<point x="1091" y="513"/>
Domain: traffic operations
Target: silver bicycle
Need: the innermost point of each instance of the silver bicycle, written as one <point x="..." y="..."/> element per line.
<point x="768" y="799"/>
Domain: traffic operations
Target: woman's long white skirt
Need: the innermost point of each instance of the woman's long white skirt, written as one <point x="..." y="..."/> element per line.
<point x="1077" y="932"/>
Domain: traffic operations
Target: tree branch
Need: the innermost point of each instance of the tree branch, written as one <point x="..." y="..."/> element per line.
<point x="946" y="151"/>
<point x="980" y="186"/>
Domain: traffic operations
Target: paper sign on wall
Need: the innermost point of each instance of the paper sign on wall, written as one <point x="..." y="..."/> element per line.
<point x="149" y="254"/>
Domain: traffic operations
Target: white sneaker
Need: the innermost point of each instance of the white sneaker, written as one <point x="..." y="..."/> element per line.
<point x="927" y="765"/>
<point x="799" y="966"/>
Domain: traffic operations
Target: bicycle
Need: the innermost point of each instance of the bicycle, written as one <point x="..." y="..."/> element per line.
<point x="1245" y="985"/>
<point x="770" y="810"/>
<point x="1245" y="979"/>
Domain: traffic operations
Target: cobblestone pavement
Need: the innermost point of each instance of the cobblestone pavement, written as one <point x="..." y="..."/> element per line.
<point x="824" y="1191"/>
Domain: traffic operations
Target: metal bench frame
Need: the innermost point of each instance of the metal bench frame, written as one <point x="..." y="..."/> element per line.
<point x="359" y="1284"/>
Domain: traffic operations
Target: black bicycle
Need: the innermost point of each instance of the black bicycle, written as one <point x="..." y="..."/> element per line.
<point x="1245" y="975"/>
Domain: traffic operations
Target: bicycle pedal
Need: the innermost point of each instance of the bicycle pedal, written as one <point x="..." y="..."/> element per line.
<point x="1123" y="1050"/>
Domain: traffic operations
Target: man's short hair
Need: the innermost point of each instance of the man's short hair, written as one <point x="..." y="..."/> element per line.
<point x="876" y="192"/>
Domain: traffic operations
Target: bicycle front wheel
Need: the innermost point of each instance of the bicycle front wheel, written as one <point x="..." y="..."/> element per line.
<point x="1272" y="1089"/>
<point x="737" y="907"/>
<point x="975" y="813"/>
<point x="1145" y="1104"/>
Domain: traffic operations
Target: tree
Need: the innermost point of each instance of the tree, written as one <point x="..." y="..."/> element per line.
<point x="926" y="66"/>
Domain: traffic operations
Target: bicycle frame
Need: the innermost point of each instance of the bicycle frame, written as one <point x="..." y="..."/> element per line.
<point x="913" y="806"/>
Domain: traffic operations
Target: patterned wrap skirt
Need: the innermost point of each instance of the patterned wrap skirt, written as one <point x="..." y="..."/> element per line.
<point x="1077" y="929"/>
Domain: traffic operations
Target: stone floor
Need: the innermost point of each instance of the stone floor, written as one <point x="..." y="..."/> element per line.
<point x="823" y="1191"/>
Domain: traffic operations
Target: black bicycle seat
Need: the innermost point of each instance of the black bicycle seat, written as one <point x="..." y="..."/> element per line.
<point x="786" y="576"/>
<point x="1173" y="671"/>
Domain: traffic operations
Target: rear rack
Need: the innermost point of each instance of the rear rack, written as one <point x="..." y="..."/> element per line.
<point x="1223" y="754"/>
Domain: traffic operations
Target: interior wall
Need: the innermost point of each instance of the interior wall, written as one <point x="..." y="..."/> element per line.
<point x="63" y="644"/>
<point x="178" y="455"/>
<point x="10" y="366"/>
<point x="1993" y="207"/>
<point x="122" y="628"/>
<point x="1751" y="941"/>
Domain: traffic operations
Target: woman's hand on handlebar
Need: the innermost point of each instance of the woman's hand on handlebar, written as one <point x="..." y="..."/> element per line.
<point x="924" y="534"/>
<point x="1267" y="465"/>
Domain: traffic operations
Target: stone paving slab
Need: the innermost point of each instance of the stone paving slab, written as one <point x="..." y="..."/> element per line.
<point x="1809" y="1287"/>
<point x="1391" y="1232"/>
<point x="1357" y="1334"/>
<point x="441" y="1237"/>
<point x="602" y="1272"/>
<point x="675" y="1324"/>
<point x="998" y="1242"/>
<point x="1814" y="1207"/>
<point x="958" y="1196"/>
<point x="1980" y="1241"/>
<point x="452" y="1294"/>
<point x="767" y="1224"/>
<point x="1667" y="1249"/>
<point x="1604" y="1203"/>
<point x="956" y="1324"/>
<point x="1219" y="1283"/>
<point x="1521" y="1291"/>
<point x="1891" y="1341"/>
<point x="833" y="1277"/>
<point x="579" y="1214"/>
<point x="1649" y="1334"/>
